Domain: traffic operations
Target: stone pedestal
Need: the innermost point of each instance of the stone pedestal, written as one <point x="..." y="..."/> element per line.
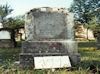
<point x="49" y="32"/>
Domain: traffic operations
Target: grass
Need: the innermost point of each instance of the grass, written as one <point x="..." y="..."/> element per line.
<point x="10" y="50"/>
<point x="89" y="57"/>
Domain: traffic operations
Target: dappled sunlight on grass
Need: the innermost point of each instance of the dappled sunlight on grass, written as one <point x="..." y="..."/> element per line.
<point x="86" y="48"/>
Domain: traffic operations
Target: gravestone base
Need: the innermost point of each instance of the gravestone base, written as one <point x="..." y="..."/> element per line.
<point x="7" y="43"/>
<point x="31" y="49"/>
<point x="27" y="59"/>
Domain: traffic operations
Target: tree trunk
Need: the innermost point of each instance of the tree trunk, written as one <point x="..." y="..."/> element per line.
<point x="87" y="33"/>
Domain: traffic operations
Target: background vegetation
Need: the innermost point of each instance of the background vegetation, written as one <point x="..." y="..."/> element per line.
<point x="10" y="22"/>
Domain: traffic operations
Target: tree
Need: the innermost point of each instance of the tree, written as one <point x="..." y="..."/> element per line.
<point x="93" y="23"/>
<point x="4" y="11"/>
<point x="85" y="10"/>
<point x="15" y="22"/>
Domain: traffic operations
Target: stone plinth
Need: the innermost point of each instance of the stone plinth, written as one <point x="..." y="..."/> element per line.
<point x="49" y="32"/>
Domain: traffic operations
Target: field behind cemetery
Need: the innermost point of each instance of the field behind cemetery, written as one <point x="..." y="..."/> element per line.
<point x="90" y="61"/>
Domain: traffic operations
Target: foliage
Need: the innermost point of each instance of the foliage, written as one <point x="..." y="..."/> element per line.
<point x="85" y="9"/>
<point x="92" y="24"/>
<point x="15" y="22"/>
<point x="4" y="11"/>
<point x="87" y="12"/>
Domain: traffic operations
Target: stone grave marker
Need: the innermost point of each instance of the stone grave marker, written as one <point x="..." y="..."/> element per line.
<point x="49" y="33"/>
<point x="6" y="36"/>
<point x="51" y="62"/>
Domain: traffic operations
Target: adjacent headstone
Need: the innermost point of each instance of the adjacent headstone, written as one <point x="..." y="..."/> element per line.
<point x="49" y="32"/>
<point x="83" y="34"/>
<point x="7" y="37"/>
<point x="1" y="26"/>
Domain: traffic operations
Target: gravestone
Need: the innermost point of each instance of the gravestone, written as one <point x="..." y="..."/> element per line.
<point x="6" y="36"/>
<point x="49" y="32"/>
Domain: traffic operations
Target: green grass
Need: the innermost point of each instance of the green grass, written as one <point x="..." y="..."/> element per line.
<point x="86" y="45"/>
<point x="89" y="56"/>
<point x="10" y="50"/>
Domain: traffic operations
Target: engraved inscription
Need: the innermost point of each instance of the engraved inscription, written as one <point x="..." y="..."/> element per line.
<point x="49" y="26"/>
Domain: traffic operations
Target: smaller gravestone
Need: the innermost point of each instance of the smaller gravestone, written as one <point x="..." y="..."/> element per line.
<point x="82" y="33"/>
<point x="6" y="36"/>
<point x="1" y="26"/>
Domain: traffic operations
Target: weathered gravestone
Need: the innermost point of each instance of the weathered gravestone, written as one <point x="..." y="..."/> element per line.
<point x="6" y="36"/>
<point x="49" y="32"/>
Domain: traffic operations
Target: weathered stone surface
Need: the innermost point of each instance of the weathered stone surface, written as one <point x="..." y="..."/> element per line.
<point x="7" y="37"/>
<point x="49" y="32"/>
<point x="27" y="60"/>
<point x="41" y="25"/>
<point x="64" y="46"/>
<point x="4" y="43"/>
<point x="82" y="33"/>
<point x="19" y="33"/>
<point x="1" y="26"/>
<point x="43" y="47"/>
<point x="51" y="62"/>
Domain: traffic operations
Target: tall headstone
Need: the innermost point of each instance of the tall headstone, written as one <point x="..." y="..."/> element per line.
<point x="49" y="32"/>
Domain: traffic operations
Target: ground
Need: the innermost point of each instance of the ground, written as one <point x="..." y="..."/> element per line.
<point x="90" y="61"/>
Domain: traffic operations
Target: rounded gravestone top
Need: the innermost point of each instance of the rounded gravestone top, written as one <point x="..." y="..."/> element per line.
<point x="49" y="9"/>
